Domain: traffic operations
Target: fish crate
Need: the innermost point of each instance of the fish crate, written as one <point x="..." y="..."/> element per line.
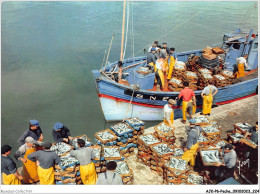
<point x="210" y="130"/>
<point x="211" y="157"/>
<point x="147" y="140"/>
<point x="64" y="173"/>
<point x="179" y="66"/>
<point x="61" y="148"/>
<point x="121" y="129"/>
<point x="106" y="136"/>
<point x="162" y="150"/>
<point x="227" y="74"/>
<point x="191" y="76"/>
<point x="235" y="137"/>
<point x="221" y="81"/>
<point x="84" y="137"/>
<point x="203" y="140"/>
<point x="202" y="71"/>
<point x="146" y="160"/>
<point x="249" y="143"/>
<point x="67" y="161"/>
<point x="194" y="178"/>
<point x="176" y="83"/>
<point x="135" y="123"/>
<point x="112" y="153"/>
<point x="164" y="129"/>
<point x="176" y="166"/>
<point x="218" y="50"/>
<point x="220" y="143"/>
<point x="201" y="119"/>
<point x="124" y="171"/>
<point x="243" y="127"/>
<point x="97" y="151"/>
<point x="177" y="152"/>
<point x="143" y="70"/>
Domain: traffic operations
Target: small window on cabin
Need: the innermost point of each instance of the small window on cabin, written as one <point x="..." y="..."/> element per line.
<point x="236" y="46"/>
<point x="255" y="45"/>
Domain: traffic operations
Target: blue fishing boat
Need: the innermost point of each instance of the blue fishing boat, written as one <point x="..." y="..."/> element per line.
<point x="139" y="97"/>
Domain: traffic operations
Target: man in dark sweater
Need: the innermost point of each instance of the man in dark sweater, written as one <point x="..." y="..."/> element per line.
<point x="61" y="133"/>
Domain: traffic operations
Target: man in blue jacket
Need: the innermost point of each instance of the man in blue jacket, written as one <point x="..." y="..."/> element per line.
<point x="61" y="133"/>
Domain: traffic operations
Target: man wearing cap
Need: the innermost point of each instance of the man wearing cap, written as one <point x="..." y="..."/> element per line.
<point x="61" y="133"/>
<point x="34" y="131"/>
<point x="192" y="143"/>
<point x="85" y="155"/>
<point x="169" y="112"/>
<point x="173" y="59"/>
<point x="151" y="60"/>
<point x="154" y="45"/>
<point x="188" y="101"/>
<point x="8" y="167"/>
<point x="30" y="174"/>
<point x="110" y="177"/>
<point x="46" y="160"/>
<point x="226" y="170"/>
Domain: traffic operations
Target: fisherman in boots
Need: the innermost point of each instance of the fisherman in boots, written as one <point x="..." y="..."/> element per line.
<point x="30" y="174"/>
<point x="8" y="167"/>
<point x="242" y="64"/>
<point x="45" y="160"/>
<point x="85" y="155"/>
<point x="151" y="60"/>
<point x="168" y="112"/>
<point x="207" y="95"/>
<point x="173" y="59"/>
<point x="159" y="75"/>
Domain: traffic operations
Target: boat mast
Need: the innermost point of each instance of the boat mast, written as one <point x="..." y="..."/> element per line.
<point x="123" y="33"/>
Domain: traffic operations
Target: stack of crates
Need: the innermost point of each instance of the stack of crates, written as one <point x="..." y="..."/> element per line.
<point x="125" y="139"/>
<point x="125" y="172"/>
<point x="144" y="152"/>
<point x="137" y="125"/>
<point x="74" y="143"/>
<point x="98" y="161"/>
<point x="106" y="138"/>
<point x="165" y="133"/>
<point x="67" y="171"/>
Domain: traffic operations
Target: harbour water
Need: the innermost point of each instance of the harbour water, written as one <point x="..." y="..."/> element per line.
<point x="48" y="50"/>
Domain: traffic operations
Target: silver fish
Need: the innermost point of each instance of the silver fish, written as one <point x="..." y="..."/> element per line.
<point x="210" y="129"/>
<point x="228" y="73"/>
<point x="201" y="119"/>
<point x="190" y="73"/>
<point x="106" y="135"/>
<point x="207" y="76"/>
<point x="220" y="77"/>
<point x="195" y="179"/>
<point x="97" y="152"/>
<point x="244" y="126"/>
<point x="220" y="144"/>
<point x="178" y="164"/>
<point x="236" y="136"/>
<point x="202" y="138"/>
<point x="164" y="128"/>
<point x="135" y="121"/>
<point x="121" y="128"/>
<point x="60" y="148"/>
<point x="149" y="139"/>
<point x="206" y="71"/>
<point x="85" y="138"/>
<point x="178" y="152"/>
<point x="144" y="69"/>
<point x="179" y="67"/>
<point x="162" y="149"/>
<point x="111" y="152"/>
<point x="67" y="160"/>
<point x="122" y="168"/>
<point x="210" y="156"/>
<point x="175" y="81"/>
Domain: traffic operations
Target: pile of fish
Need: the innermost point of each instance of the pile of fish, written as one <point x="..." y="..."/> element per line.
<point x="178" y="164"/>
<point x="175" y="81"/>
<point x="67" y="160"/>
<point x="202" y="138"/>
<point x="111" y="152"/>
<point x="60" y="148"/>
<point x="143" y="70"/>
<point x="220" y="144"/>
<point x="244" y="126"/>
<point x="207" y="76"/>
<point x="210" y="156"/>
<point x="122" y="168"/>
<point x="236" y="136"/>
<point x="135" y="121"/>
<point x="220" y="77"/>
<point x="105" y="135"/>
<point x="204" y="71"/>
<point x="97" y="152"/>
<point x="195" y="179"/>
<point x="149" y="139"/>
<point x="179" y="66"/>
<point x="227" y="73"/>
<point x="201" y="119"/>
<point x="162" y="149"/>
<point x="85" y="138"/>
<point x="164" y="128"/>
<point x="210" y="129"/>
<point x="177" y="152"/>
<point x="121" y="128"/>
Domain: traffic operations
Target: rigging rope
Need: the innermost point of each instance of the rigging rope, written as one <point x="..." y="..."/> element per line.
<point x="103" y="59"/>
<point x="110" y="48"/>
<point x="133" y="38"/>
<point x="247" y="14"/>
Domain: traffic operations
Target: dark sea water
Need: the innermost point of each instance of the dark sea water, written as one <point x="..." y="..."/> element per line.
<point x="48" y="50"/>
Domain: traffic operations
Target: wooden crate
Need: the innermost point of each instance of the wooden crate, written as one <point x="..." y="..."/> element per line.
<point x="195" y="173"/>
<point x="119" y="135"/>
<point x="157" y="154"/>
<point x="85" y="142"/>
<point x="210" y="164"/>
<point x="247" y="142"/>
<point x="109" y="140"/>
<point x="241" y="129"/>
<point x="201" y="123"/>
<point x="210" y="134"/>
<point x="170" y="133"/>
<point x="71" y="148"/>
<point x="112" y="158"/>
<point x="100" y="151"/>
<point x="231" y="140"/>
<point x="142" y="143"/>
